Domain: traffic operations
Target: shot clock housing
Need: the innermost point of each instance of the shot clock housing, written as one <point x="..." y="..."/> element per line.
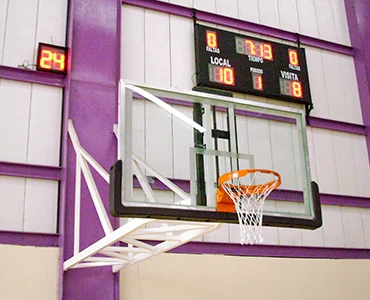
<point x="51" y="58"/>
<point x="239" y="63"/>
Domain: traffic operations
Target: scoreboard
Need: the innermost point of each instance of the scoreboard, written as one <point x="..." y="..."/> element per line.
<point x="239" y="63"/>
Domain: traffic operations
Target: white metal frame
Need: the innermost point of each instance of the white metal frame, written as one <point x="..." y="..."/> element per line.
<point x="135" y="235"/>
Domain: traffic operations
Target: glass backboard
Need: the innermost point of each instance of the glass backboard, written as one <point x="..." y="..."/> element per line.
<point x="174" y="145"/>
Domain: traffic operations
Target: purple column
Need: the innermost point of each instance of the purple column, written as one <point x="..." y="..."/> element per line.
<point x="91" y="103"/>
<point x="358" y="16"/>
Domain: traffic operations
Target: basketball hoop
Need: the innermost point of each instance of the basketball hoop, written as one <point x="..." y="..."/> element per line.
<point x="244" y="192"/>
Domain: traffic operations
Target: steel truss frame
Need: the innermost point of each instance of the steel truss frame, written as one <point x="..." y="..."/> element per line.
<point x="137" y="240"/>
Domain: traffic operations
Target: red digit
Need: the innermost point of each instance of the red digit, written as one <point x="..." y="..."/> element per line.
<point x="46" y="59"/>
<point x="297" y="89"/>
<point x="293" y="57"/>
<point x="211" y="39"/>
<point x="59" y="59"/>
<point x="251" y="48"/>
<point x="267" y="52"/>
<point x="228" y="76"/>
<point x="257" y="82"/>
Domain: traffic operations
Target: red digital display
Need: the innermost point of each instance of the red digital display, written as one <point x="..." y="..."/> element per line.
<point x="253" y="48"/>
<point x="293" y="57"/>
<point x="52" y="59"/>
<point x="223" y="75"/>
<point x="291" y="88"/>
<point x="244" y="64"/>
<point x="211" y="39"/>
<point x="257" y="82"/>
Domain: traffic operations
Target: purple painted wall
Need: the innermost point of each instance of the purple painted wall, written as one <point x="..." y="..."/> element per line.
<point x="358" y="16"/>
<point x="92" y="106"/>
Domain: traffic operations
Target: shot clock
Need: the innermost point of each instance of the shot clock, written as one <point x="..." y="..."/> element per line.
<point x="51" y="58"/>
<point x="235" y="62"/>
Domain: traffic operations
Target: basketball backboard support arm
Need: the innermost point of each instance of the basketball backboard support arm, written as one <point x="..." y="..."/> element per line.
<point x="122" y="203"/>
<point x="134" y="236"/>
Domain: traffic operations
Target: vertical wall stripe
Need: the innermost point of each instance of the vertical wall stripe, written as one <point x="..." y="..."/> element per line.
<point x="358" y="15"/>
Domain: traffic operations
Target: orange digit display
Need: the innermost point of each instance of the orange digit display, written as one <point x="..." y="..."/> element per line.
<point x="211" y="39"/>
<point x="257" y="82"/>
<point x="239" y="63"/>
<point x="291" y="88"/>
<point x="267" y="52"/>
<point x="223" y="75"/>
<point x="52" y="58"/>
<point x="253" y="48"/>
<point x="293" y="57"/>
<point x="297" y="89"/>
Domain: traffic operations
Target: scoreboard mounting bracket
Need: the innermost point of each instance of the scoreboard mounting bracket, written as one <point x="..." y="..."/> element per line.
<point x="234" y="62"/>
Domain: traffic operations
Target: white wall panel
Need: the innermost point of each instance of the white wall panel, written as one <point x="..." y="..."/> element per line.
<point x="325" y="20"/>
<point x="15" y="100"/>
<point x="353" y="227"/>
<point x="41" y="206"/>
<point x="3" y="13"/>
<point x="30" y="123"/>
<point x="269" y="13"/>
<point x="55" y="11"/>
<point x="248" y="10"/>
<point x="182" y="53"/>
<point x="234" y="233"/>
<point x="29" y="205"/>
<point x="313" y="238"/>
<point x="220" y="235"/>
<point x="206" y="5"/>
<point x="133" y="46"/>
<point x="317" y="83"/>
<point x="12" y="191"/>
<point x="349" y="82"/>
<point x="227" y="8"/>
<point x="288" y="13"/>
<point x="24" y="23"/>
<point x="270" y="235"/>
<point x="346" y="172"/>
<point x="307" y="18"/>
<point x="45" y="126"/>
<point x="334" y="86"/>
<point x="341" y="162"/>
<point x="186" y="3"/>
<point x="325" y="161"/>
<point x="157" y="46"/>
<point x="20" y="32"/>
<point x="333" y="226"/>
<point x="289" y="236"/>
<point x="340" y="19"/>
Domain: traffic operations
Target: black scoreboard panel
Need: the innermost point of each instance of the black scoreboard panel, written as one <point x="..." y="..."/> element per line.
<point x="239" y="63"/>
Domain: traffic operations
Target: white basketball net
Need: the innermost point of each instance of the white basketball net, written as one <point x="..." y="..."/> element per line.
<point x="249" y="200"/>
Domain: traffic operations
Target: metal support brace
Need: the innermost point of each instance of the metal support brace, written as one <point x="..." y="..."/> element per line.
<point x="131" y="243"/>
